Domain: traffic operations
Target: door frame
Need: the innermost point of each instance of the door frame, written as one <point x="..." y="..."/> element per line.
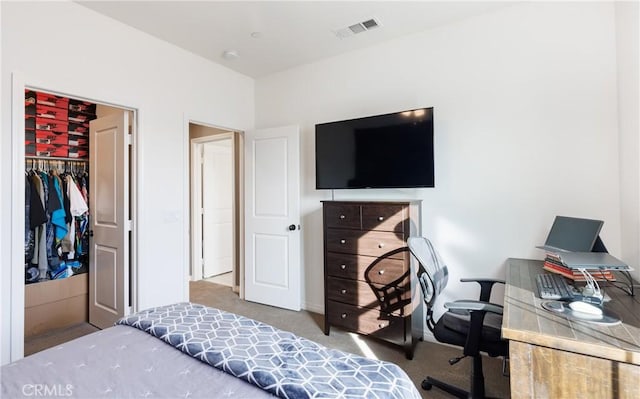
<point x="196" y="203"/>
<point x="17" y="300"/>
<point x="238" y="135"/>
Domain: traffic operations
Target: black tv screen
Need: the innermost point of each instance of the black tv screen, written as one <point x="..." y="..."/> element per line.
<point x="384" y="151"/>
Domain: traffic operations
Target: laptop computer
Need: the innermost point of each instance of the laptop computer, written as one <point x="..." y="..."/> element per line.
<point x="569" y="234"/>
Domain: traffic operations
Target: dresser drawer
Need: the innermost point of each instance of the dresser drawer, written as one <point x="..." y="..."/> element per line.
<point x="384" y="217"/>
<point x="369" y="243"/>
<point x="343" y="216"/>
<point x="359" y="268"/>
<point x="392" y="298"/>
<point x="366" y="321"/>
<point x="354" y="292"/>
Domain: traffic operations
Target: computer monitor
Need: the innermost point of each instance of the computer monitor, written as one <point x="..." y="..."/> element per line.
<point x="574" y="235"/>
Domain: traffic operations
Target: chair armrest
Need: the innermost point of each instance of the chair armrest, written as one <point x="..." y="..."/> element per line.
<point x="474" y="306"/>
<point x="477" y="311"/>
<point x="486" y="285"/>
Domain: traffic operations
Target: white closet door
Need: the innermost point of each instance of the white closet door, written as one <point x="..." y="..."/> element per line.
<point x="109" y="213"/>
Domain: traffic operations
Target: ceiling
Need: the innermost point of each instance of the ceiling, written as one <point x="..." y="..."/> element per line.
<point x="289" y="33"/>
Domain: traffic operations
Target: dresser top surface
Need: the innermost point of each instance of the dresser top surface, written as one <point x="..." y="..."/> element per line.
<point x="374" y="202"/>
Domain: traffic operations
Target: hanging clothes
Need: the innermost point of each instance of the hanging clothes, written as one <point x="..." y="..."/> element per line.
<point x="77" y="208"/>
<point x="56" y="220"/>
<point x="29" y="242"/>
<point x="40" y="258"/>
<point x="58" y="215"/>
<point x="37" y="214"/>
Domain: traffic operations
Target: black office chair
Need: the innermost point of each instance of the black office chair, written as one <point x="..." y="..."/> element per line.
<point x="473" y="325"/>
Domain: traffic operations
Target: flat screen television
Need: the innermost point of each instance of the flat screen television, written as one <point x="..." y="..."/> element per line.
<point x="383" y="151"/>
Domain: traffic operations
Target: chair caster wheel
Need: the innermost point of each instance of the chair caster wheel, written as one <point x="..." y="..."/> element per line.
<point x="426" y="385"/>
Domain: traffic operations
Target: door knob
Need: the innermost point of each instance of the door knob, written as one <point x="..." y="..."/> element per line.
<point x="292" y="227"/>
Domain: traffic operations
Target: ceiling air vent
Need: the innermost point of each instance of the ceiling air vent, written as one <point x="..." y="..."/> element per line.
<point x="354" y="29"/>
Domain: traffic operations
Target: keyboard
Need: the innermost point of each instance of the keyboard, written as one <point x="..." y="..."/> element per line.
<point x="554" y="286"/>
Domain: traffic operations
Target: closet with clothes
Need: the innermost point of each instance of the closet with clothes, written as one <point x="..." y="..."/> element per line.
<point x="57" y="213"/>
<point x="56" y="219"/>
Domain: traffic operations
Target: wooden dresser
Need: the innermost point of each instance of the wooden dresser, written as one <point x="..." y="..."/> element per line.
<point x="369" y="275"/>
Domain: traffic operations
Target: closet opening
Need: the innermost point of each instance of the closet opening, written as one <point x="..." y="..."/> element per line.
<point x="78" y="210"/>
<point x="216" y="247"/>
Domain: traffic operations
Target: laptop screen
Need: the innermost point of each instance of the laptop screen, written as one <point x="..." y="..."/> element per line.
<point x="573" y="234"/>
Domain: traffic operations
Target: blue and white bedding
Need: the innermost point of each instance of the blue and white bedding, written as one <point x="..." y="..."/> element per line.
<point x="276" y="361"/>
<point x="116" y="363"/>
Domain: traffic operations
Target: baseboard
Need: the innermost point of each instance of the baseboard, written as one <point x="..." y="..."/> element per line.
<point x="312" y="307"/>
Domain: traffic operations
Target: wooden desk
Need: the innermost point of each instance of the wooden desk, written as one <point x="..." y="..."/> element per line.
<point x="552" y="357"/>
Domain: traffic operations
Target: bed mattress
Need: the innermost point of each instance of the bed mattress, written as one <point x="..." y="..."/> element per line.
<point x="119" y="362"/>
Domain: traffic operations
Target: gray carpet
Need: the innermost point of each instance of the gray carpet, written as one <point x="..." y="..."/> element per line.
<point x="430" y="358"/>
<point x="56" y="337"/>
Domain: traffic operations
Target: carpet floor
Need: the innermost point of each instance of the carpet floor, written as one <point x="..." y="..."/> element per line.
<point x="429" y="359"/>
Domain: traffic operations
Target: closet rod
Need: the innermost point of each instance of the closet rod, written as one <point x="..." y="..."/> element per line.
<point x="57" y="158"/>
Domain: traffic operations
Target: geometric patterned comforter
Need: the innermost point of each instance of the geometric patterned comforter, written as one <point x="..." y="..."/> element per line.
<point x="277" y="361"/>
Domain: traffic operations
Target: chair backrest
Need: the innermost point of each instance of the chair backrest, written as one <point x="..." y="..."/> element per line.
<point x="432" y="272"/>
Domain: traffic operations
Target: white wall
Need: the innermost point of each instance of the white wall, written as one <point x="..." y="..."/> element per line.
<point x="525" y="109"/>
<point x="628" y="56"/>
<point x="64" y="47"/>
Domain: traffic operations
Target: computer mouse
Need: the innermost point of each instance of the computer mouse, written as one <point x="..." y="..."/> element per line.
<point x="584" y="307"/>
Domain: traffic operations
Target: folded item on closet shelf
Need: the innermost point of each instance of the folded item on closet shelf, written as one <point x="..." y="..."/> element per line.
<point x="63" y="271"/>
<point x="31" y="275"/>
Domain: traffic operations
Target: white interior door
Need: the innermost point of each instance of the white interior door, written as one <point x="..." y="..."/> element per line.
<point x="217" y="207"/>
<point x="109" y="205"/>
<point x="272" y="217"/>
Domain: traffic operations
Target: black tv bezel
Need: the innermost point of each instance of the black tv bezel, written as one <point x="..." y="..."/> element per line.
<point x="432" y="155"/>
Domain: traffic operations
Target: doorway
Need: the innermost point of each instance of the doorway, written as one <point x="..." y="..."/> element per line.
<point x="19" y="302"/>
<point x="215" y="211"/>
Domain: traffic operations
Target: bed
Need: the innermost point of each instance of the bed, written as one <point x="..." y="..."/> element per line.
<point x="188" y="350"/>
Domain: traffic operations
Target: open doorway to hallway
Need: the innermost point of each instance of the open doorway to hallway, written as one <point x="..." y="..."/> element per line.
<point x="216" y="205"/>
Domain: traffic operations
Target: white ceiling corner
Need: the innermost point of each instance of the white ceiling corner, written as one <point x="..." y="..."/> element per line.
<point x="292" y="32"/>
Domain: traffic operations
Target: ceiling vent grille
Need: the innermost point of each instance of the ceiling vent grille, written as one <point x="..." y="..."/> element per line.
<point x="355" y="29"/>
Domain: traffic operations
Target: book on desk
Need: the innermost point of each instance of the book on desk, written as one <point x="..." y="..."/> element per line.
<point x="600" y="265"/>
<point x="554" y="263"/>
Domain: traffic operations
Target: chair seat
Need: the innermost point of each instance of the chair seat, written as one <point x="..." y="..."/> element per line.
<point x="452" y="328"/>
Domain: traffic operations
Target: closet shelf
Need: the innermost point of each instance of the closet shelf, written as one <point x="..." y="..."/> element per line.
<point x="56" y="158"/>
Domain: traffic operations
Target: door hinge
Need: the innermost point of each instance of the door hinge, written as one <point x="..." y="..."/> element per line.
<point x="129" y="225"/>
<point x="128" y="139"/>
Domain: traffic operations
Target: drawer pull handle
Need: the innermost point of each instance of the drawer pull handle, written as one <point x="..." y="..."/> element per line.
<point x="381" y="272"/>
<point x="381" y="325"/>
<point x="342" y="267"/>
<point x="343" y="291"/>
<point x="344" y="315"/>
<point x="343" y="241"/>
<point x="380" y="218"/>
<point x="342" y="217"/>
<point x="380" y="245"/>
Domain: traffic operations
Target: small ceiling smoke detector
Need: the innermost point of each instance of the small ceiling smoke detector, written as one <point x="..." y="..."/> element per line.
<point x="230" y="54"/>
<point x="354" y="29"/>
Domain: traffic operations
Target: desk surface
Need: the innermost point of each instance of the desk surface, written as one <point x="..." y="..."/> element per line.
<point x="525" y="320"/>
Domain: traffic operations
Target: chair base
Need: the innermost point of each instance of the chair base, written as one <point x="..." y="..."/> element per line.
<point x="429" y="383"/>
<point x="477" y="383"/>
